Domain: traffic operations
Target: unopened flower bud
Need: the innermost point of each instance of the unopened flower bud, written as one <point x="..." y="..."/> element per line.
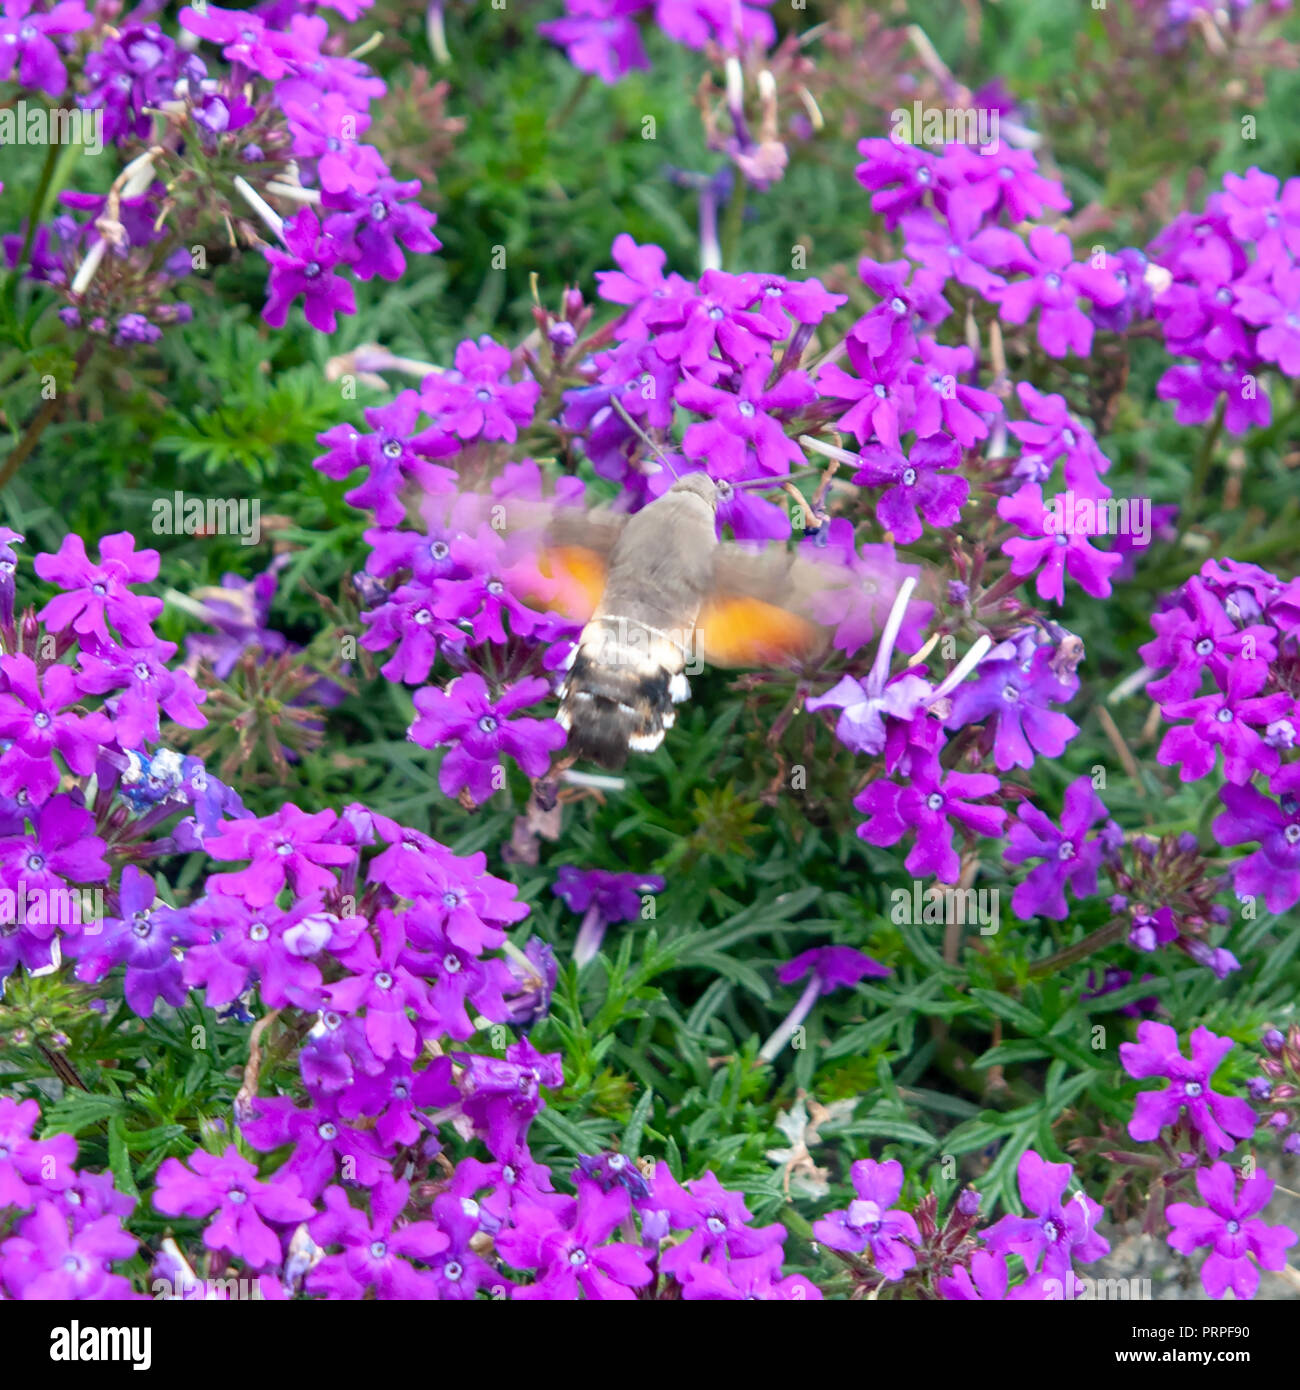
<point x="562" y="336"/>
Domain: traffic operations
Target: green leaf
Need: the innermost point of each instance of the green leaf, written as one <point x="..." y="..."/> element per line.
<point x="631" y="1141"/>
<point x="119" y="1158"/>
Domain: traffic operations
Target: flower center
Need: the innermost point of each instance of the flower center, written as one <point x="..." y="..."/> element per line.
<point x="378" y="1250"/>
<point x="488" y="724"/>
<point x="1065" y="850"/>
<point x="934" y="801"/>
<point x="452" y="1270"/>
<point x="383" y="980"/>
<point x="864" y="1215"/>
<point x="392" y="448"/>
<point x="1204" y="647"/>
<point x="41" y="720"/>
<point x="259" y="931"/>
<point x="238" y="1196"/>
<point x="1224" y="716"/>
<point x="1193" y="1089"/>
<point x="451" y="963"/>
<point x="746" y="408"/>
<point x="311" y="270"/>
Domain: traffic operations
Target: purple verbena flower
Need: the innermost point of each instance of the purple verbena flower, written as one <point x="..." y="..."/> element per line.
<point x="1240" y="1246"/>
<point x="478" y="731"/>
<point x="1222" y="1120"/>
<point x="871" y="1224"/>
<point x="1069" y="857"/>
<point x="1058" y="1232"/>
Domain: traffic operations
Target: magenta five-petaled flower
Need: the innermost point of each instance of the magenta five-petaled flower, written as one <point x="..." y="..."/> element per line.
<point x="1058" y="1231"/>
<point x="871" y="1224"/>
<point x="928" y="805"/>
<point x="290" y="846"/>
<point x="1221" y="1120"/>
<point x="1068" y="857"/>
<point x="1241" y="1245"/>
<point x="96" y="595"/>
<point x="247" y="1210"/>
<point x="478" y="730"/>
<point x="307" y="267"/>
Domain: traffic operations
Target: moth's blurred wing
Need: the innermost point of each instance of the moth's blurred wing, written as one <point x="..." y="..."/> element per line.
<point x="734" y="630"/>
<point x="596" y="531"/>
<point x="759" y="612"/>
<point x="574" y="553"/>
<point x="577" y="576"/>
<point x="571" y="548"/>
<point x="855" y="599"/>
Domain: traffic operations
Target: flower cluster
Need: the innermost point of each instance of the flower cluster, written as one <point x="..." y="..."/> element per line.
<point x="1232" y="300"/>
<point x="883" y="1245"/>
<point x="266" y="109"/>
<point x="67" y="1224"/>
<point x="1238" y="625"/>
<point x="85" y="784"/>
<point x="601" y="37"/>
<point x="1190" y="1110"/>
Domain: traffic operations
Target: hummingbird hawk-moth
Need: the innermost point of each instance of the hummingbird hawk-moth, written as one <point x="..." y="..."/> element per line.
<point x="661" y="597"/>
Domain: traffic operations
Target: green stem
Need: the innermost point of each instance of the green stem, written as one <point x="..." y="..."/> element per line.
<point x="570" y="106"/>
<point x="1196" y="492"/>
<point x="1103" y="936"/>
<point x="38" y="204"/>
<point x="732" y="224"/>
<point x="43" y="417"/>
